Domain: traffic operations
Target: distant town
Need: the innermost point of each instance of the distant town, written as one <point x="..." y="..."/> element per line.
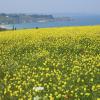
<point x="26" y="18"/>
<point x="6" y="19"/>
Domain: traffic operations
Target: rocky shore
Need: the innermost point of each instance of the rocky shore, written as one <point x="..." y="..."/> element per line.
<point x="2" y="28"/>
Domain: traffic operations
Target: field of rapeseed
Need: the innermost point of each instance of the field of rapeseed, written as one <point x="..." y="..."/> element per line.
<point x="50" y="64"/>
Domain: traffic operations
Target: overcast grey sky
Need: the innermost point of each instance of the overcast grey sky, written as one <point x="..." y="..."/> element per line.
<point x="50" y="6"/>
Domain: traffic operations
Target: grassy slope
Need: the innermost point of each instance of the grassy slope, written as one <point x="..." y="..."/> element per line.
<point x="65" y="61"/>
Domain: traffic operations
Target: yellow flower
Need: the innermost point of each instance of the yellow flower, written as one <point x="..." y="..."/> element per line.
<point x="51" y="98"/>
<point x="87" y="94"/>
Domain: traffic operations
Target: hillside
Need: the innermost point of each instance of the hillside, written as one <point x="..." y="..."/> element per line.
<point x="26" y="18"/>
<point x="50" y="64"/>
<point x="23" y="18"/>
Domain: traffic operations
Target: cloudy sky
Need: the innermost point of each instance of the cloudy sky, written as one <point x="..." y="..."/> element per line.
<point x="50" y="6"/>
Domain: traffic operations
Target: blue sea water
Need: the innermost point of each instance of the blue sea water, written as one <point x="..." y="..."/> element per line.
<point x="78" y="21"/>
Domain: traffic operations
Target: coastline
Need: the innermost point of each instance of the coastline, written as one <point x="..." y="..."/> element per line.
<point x="4" y="27"/>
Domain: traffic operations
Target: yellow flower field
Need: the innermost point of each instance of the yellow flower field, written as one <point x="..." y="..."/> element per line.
<point x="50" y="64"/>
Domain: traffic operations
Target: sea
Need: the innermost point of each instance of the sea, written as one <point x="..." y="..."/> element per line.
<point x="78" y="21"/>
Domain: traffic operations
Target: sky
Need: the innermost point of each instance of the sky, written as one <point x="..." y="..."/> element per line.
<point x="50" y="6"/>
